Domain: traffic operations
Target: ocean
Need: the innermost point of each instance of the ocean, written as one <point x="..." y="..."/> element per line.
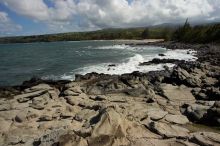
<point x="62" y="60"/>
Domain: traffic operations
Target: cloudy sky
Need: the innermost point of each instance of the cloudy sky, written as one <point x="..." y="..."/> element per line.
<point x="26" y="17"/>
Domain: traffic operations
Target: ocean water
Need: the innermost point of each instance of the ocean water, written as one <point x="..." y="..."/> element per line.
<point x="62" y="60"/>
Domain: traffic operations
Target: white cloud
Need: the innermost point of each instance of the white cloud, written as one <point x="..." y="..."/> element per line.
<point x="74" y="15"/>
<point x="6" y="25"/>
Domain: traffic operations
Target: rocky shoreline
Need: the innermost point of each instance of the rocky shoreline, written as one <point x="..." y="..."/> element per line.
<point x="179" y="106"/>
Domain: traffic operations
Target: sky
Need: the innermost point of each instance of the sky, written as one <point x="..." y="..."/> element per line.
<point x="32" y="17"/>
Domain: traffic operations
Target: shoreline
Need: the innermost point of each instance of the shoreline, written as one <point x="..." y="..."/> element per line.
<point x="101" y="109"/>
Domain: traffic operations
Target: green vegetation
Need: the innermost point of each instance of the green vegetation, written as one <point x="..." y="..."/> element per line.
<point x="186" y="33"/>
<point x="105" y="34"/>
<point x="197" y="34"/>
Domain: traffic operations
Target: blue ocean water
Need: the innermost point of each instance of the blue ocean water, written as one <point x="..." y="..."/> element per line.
<point x="62" y="60"/>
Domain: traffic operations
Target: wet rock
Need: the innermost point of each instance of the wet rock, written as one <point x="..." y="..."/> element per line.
<point x="159" y="61"/>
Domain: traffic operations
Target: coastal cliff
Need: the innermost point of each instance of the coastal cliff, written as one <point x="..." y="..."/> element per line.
<point x="176" y="106"/>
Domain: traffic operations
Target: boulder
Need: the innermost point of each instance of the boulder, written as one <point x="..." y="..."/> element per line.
<point x="21" y="116"/>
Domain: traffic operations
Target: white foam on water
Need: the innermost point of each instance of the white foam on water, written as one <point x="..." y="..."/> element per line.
<point x="187" y="55"/>
<point x="127" y="47"/>
<point x="117" y="47"/>
<point x="126" y="67"/>
<point x="132" y="64"/>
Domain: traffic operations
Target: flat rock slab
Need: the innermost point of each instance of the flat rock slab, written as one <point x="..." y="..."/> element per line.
<point x="178" y="93"/>
<point x="39" y="87"/>
<point x="168" y="131"/>
<point x="177" y="119"/>
<point x="206" y="138"/>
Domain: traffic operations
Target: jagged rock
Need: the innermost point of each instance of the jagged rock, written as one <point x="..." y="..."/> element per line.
<point x="167" y="130"/>
<point x="194" y="81"/>
<point x="177" y="119"/>
<point x="182" y="74"/>
<point x="110" y="125"/>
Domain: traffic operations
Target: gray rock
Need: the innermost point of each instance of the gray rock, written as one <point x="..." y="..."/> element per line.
<point x="194" y="81"/>
<point x="196" y="112"/>
<point x="21" y="117"/>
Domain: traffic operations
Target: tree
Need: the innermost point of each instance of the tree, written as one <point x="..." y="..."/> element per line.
<point x="145" y="33"/>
